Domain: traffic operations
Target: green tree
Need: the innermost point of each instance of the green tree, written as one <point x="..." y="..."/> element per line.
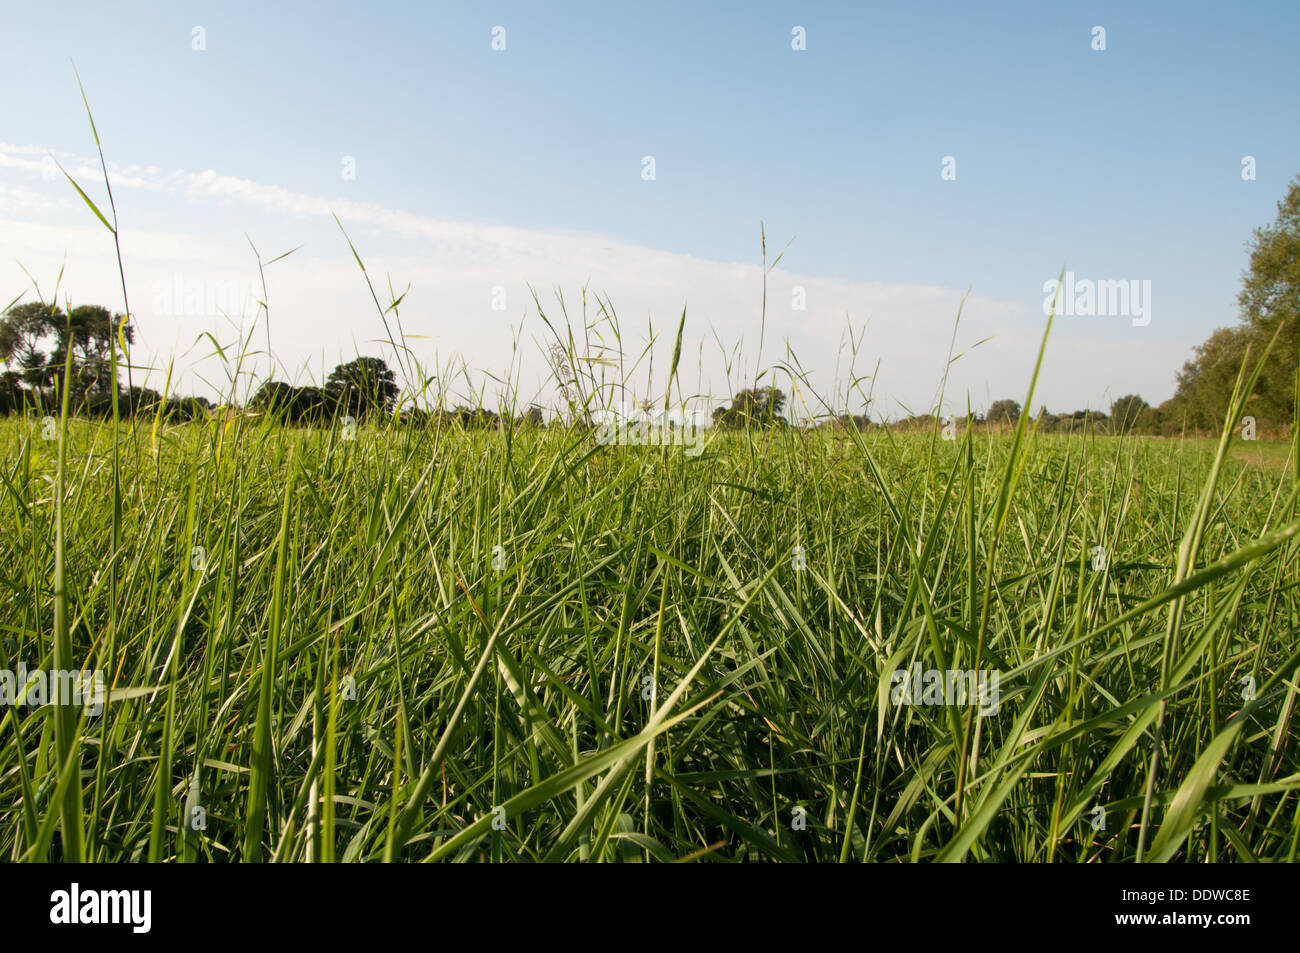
<point x="38" y="339"/>
<point x="361" y="387"/>
<point x="309" y="405"/>
<point x="1004" y="411"/>
<point x="274" y="397"/>
<point x="91" y="334"/>
<point x="1206" y="382"/>
<point x="11" y="392"/>
<point x="1127" y="411"/>
<point x="761" y="406"/>
<point x="24" y="341"/>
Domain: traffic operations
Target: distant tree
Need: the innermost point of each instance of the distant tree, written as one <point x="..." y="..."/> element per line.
<point x="1127" y="412"/>
<point x="274" y="397"/>
<point x="38" y="339"/>
<point x="1206" y="382"/>
<point x="1084" y="420"/>
<point x="1171" y="416"/>
<point x="418" y="417"/>
<point x="475" y="418"/>
<point x="1004" y="412"/>
<point x="309" y="405"/>
<point x="533" y="417"/>
<point x="917" y="422"/>
<point x="856" y="422"/>
<point x="292" y="404"/>
<point x="91" y="335"/>
<point x="1047" y="422"/>
<point x="1150" y="421"/>
<point x="190" y="408"/>
<point x="361" y="387"/>
<point x="760" y="406"/>
<point x="24" y="338"/>
<point x="11" y="392"/>
<point x="140" y="400"/>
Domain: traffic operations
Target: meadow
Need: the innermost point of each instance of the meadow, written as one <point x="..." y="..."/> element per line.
<point x="402" y="640"/>
<point x="431" y="643"/>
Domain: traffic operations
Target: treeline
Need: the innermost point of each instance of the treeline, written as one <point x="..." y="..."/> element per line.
<point x="1129" y="414"/>
<point x="367" y="388"/>
<point x="40" y="345"/>
<point x="1268" y="312"/>
<point x="753" y="407"/>
<point x="43" y="347"/>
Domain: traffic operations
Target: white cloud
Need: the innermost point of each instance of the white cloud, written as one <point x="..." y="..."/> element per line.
<point x="15" y="198"/>
<point x="321" y="310"/>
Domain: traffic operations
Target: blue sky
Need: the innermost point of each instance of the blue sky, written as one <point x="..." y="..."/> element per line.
<point x="1124" y="162"/>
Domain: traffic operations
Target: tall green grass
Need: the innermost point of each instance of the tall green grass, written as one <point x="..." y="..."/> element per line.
<point x="427" y="643"/>
<point x="524" y="688"/>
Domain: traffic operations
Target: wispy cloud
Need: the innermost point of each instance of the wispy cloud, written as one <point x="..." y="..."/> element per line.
<point x="470" y="292"/>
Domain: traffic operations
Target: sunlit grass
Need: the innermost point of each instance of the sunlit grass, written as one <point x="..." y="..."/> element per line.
<point x="426" y="643"/>
<point x="524" y="688"/>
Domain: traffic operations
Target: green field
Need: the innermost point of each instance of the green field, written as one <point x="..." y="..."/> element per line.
<point x="317" y="651"/>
